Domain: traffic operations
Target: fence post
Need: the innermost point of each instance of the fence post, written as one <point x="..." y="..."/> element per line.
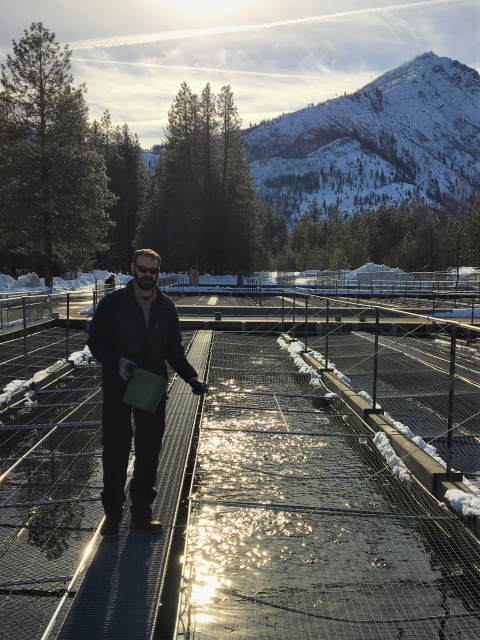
<point x="433" y="313"/>
<point x="419" y="291"/>
<point x="293" y="314"/>
<point x="283" y="310"/>
<point x="1" y="315"/>
<point x="358" y="291"/>
<point x="25" y="349"/>
<point x="375" y="358"/>
<point x="473" y="307"/>
<point x="68" y="327"/>
<point x="306" y="321"/>
<point x="451" y="395"/>
<point x="327" y="319"/>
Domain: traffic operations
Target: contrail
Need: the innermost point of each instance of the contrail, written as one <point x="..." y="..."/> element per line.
<point x="142" y="38"/>
<point x="209" y="69"/>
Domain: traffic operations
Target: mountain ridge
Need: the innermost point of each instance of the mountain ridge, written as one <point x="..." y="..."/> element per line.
<point x="418" y="124"/>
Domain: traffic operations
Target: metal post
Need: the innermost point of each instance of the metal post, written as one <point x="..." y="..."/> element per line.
<point x="283" y="310"/>
<point x="1" y="315"/>
<point x="375" y="358"/>
<point x="419" y="291"/>
<point x="451" y="395"/>
<point x="25" y="349"/>
<point x="293" y="314"/>
<point x="306" y="321"/>
<point x="326" y="333"/>
<point x="433" y="312"/>
<point x="68" y="326"/>
<point x="358" y="291"/>
<point x="473" y="307"/>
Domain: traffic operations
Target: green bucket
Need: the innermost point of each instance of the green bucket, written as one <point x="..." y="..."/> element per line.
<point x="145" y="390"/>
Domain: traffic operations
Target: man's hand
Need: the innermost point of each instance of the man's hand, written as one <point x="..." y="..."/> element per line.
<point x="198" y="388"/>
<point x="126" y="368"/>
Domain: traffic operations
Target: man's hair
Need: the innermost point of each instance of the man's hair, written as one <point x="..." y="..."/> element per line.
<point x="149" y="253"/>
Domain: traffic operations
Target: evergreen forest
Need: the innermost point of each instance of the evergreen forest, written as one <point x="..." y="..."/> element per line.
<point x="75" y="194"/>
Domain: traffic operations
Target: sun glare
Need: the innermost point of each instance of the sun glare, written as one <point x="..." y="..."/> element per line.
<point x="210" y="7"/>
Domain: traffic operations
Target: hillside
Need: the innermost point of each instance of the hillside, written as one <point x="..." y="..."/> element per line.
<point x="414" y="130"/>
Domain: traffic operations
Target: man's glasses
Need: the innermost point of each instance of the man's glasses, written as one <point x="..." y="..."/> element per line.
<point x="147" y="270"/>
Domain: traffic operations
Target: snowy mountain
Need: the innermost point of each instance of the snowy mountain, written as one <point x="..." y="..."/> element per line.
<point x="413" y="130"/>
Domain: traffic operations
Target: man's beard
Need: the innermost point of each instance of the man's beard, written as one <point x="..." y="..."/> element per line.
<point x="145" y="282"/>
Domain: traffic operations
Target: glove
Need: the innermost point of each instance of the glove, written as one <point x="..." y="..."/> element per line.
<point x="126" y="368"/>
<point x="198" y="388"/>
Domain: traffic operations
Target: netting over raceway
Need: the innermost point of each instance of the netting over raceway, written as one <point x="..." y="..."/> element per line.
<point x="298" y="528"/>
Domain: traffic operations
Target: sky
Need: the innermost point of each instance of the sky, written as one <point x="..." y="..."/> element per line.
<point x="277" y="55"/>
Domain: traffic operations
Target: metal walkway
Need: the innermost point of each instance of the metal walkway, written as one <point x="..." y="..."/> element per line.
<point x="120" y="593"/>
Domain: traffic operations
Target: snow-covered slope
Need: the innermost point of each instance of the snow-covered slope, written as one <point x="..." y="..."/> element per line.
<point x="415" y="129"/>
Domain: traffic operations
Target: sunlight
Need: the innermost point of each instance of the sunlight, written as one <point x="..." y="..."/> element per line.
<point x="210" y="7"/>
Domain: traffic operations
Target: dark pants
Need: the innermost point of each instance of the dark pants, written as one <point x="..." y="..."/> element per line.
<point x="116" y="441"/>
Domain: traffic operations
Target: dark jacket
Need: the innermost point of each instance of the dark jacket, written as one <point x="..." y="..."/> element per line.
<point x="118" y="330"/>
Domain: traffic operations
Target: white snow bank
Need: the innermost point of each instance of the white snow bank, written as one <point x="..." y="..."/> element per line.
<point x="463" y="502"/>
<point x="368" y="398"/>
<point x="78" y="358"/>
<point x="460" y="348"/>
<point x="398" y="468"/>
<point x="458" y="313"/>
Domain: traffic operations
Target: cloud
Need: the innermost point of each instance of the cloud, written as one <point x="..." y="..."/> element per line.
<point x="116" y="41"/>
<point x="187" y="68"/>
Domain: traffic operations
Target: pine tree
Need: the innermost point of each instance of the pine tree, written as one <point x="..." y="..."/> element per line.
<point x="53" y="187"/>
<point x="127" y="182"/>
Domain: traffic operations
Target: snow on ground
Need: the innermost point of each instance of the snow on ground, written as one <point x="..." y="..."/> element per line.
<point x="346" y="174"/>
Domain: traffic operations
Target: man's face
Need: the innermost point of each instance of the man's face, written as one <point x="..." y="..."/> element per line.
<point x="144" y="279"/>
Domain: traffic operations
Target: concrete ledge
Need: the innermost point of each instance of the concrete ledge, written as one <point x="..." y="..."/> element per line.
<point x="334" y="384"/>
<point x="359" y="405"/>
<point x="32" y="327"/>
<point x="42" y="381"/>
<point x="315" y="364"/>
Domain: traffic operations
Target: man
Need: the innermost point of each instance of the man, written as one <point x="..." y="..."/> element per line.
<point x="135" y="326"/>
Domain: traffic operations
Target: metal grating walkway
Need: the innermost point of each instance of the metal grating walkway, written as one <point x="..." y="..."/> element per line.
<point x="119" y="596"/>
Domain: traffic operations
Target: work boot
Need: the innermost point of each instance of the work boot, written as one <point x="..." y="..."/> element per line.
<point x="147" y="524"/>
<point x="110" y="528"/>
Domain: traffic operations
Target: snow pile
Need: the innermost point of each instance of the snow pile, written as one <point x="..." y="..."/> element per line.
<point x="207" y="279"/>
<point x="87" y="312"/>
<point x="460" y="348"/>
<point x="294" y="350"/>
<point x="12" y="387"/>
<point x="6" y="281"/>
<point x="28" y="282"/>
<point x="80" y="358"/>
<point x="369" y="272"/>
<point x="463" y="502"/>
<point x="458" y="313"/>
<point x="77" y="358"/>
<point x="368" y="398"/>
<point x="398" y="468"/>
<point x="464" y="271"/>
